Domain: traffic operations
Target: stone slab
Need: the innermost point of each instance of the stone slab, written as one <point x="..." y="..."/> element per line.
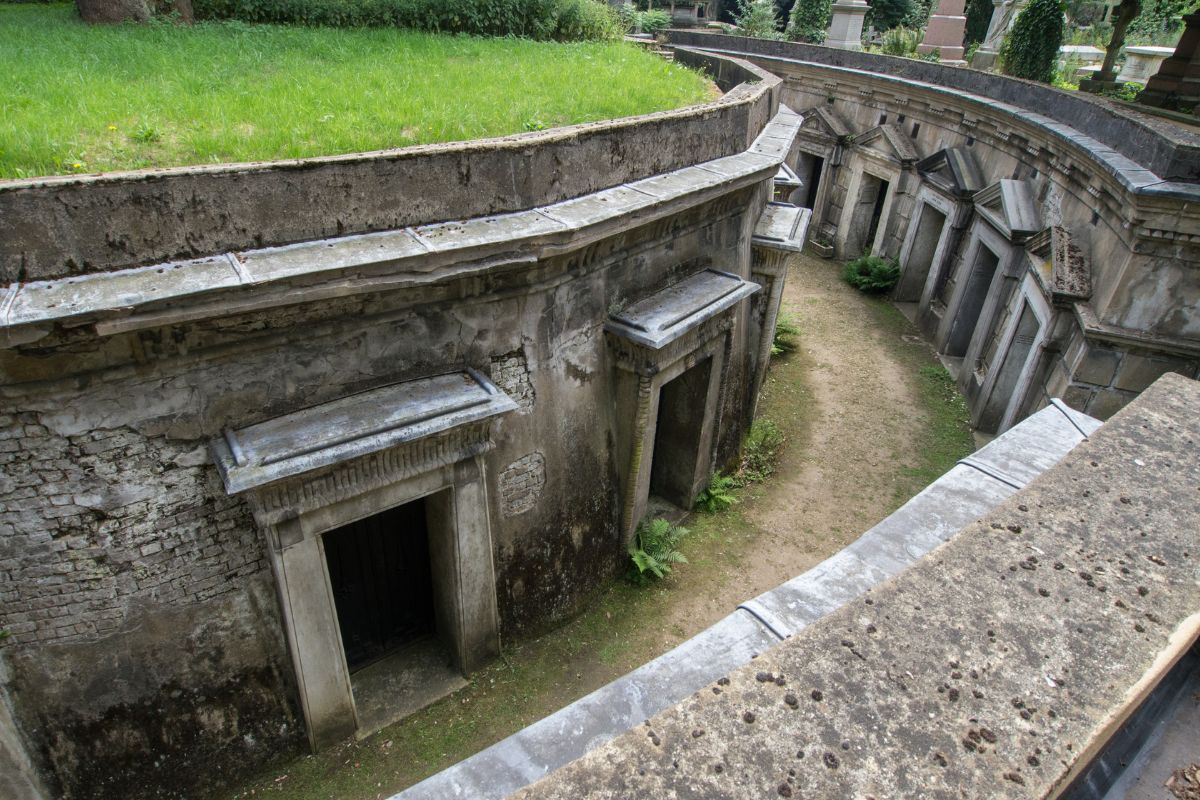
<point x="353" y="426"/>
<point x="997" y="666"/>
<point x="669" y="313"/>
<point x="782" y="226"/>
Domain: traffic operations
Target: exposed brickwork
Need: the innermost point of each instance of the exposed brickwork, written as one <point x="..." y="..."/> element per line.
<point x="92" y="524"/>
<point x="511" y="373"/>
<point x="521" y="484"/>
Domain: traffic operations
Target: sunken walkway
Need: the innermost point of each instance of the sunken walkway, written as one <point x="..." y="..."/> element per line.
<point x="999" y="665"/>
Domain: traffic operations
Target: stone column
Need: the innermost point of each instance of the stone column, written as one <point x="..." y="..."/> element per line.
<point x="1176" y="85"/>
<point x="845" y="28"/>
<point x="945" y="32"/>
<point x="1004" y="14"/>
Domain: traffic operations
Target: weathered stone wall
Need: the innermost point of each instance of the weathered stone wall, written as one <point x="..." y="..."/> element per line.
<point x="1125" y="186"/>
<point x="55" y="227"/>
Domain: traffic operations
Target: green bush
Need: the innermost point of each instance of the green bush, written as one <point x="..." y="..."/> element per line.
<point x="979" y="17"/>
<point x="557" y="20"/>
<point x="718" y="495"/>
<point x="809" y="21"/>
<point x="900" y="41"/>
<point x="655" y="548"/>
<point x="655" y="20"/>
<point x="887" y="14"/>
<point x="1030" y="50"/>
<point x="872" y="274"/>
<point x="756" y="18"/>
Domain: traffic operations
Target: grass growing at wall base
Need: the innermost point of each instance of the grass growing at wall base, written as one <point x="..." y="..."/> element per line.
<point x="81" y="99"/>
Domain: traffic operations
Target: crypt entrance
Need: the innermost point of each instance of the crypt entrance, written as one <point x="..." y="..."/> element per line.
<point x="670" y="351"/>
<point x="375" y="510"/>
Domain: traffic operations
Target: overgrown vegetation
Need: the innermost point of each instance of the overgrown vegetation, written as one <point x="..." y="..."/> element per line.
<point x="948" y="436"/>
<point x="979" y="16"/>
<point x="651" y="20"/>
<point x="872" y="274"/>
<point x="809" y="21"/>
<point x="887" y="14"/>
<point x="546" y="20"/>
<point x="79" y="98"/>
<point x="1031" y="48"/>
<point x="786" y="331"/>
<point x="757" y="19"/>
<point x="655" y="549"/>
<point x="760" y="451"/>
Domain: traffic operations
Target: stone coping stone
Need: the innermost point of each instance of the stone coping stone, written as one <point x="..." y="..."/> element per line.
<point x="1163" y="152"/>
<point x="923" y="523"/>
<point x="997" y="666"/>
<point x="176" y="291"/>
<point x="354" y="426"/>
<point x="669" y="313"/>
<point x="782" y="226"/>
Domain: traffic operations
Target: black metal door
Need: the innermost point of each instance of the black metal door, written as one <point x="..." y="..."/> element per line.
<point x="382" y="584"/>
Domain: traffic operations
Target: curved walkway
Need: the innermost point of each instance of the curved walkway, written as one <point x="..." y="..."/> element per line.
<point x="868" y="424"/>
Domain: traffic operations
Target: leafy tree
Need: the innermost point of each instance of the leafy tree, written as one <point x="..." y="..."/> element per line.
<point x="1031" y="48"/>
<point x="809" y="21"/>
<point x="979" y="17"/>
<point x="757" y="18"/>
<point x="1159" y="18"/>
<point x="888" y="14"/>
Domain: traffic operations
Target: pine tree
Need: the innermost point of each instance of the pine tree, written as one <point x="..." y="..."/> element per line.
<point x="809" y="21"/>
<point x="757" y="18"/>
<point x="1031" y="47"/>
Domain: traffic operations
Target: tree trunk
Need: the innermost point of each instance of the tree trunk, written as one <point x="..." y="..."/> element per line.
<point x="1126" y="13"/>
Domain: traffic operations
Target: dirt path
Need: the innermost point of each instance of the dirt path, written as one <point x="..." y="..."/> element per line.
<point x="868" y="421"/>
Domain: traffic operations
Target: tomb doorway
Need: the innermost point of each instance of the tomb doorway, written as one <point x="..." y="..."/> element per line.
<point x="930" y="224"/>
<point x="678" y="433"/>
<point x="971" y="300"/>
<point x="868" y="211"/>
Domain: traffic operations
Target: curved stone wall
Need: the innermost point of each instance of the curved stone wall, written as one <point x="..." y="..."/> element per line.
<point x="169" y="626"/>
<point x="55" y="227"/>
<point x="1061" y="222"/>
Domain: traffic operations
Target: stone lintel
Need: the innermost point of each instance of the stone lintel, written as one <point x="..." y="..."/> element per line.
<point x="354" y="426"/>
<point x="782" y="226"/>
<point x="672" y="312"/>
<point x="997" y="666"/>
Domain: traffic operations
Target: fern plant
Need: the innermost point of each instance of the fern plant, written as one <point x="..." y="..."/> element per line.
<point x="655" y="548"/>
<point x="718" y="495"/>
<point x="786" y="332"/>
<point x="872" y="274"/>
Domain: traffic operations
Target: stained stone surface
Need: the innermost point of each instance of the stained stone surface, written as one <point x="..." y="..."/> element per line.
<point x="995" y="667"/>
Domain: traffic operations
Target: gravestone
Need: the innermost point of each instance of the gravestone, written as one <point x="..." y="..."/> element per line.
<point x="845" y="28"/>
<point x="945" y="31"/>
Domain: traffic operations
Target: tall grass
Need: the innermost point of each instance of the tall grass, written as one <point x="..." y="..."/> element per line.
<point x="77" y="98"/>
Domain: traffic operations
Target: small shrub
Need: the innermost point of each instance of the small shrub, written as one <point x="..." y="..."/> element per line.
<point x="655" y="548"/>
<point x="718" y="495"/>
<point x="900" y="41"/>
<point x="887" y="14"/>
<point x="655" y="20"/>
<point x="760" y="451"/>
<point x="786" y="332"/>
<point x="545" y="20"/>
<point x="1030" y="50"/>
<point x="756" y="18"/>
<point x="872" y="274"/>
<point x="809" y="21"/>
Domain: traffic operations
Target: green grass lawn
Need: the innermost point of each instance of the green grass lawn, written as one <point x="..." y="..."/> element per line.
<point x="76" y="98"/>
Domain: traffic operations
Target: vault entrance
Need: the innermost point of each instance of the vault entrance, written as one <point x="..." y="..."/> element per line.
<point x="970" y="305"/>
<point x="681" y="412"/>
<point x="920" y="255"/>
<point x="868" y="213"/>
<point x="382" y="583"/>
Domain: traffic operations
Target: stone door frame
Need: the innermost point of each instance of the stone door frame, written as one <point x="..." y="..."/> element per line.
<point x="982" y="236"/>
<point x="1028" y="295"/>
<point x="294" y="514"/>
<point x="877" y="167"/>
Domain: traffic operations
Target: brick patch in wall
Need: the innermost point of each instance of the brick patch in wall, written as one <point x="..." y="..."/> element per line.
<point x="511" y="373"/>
<point x="521" y="484"/>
